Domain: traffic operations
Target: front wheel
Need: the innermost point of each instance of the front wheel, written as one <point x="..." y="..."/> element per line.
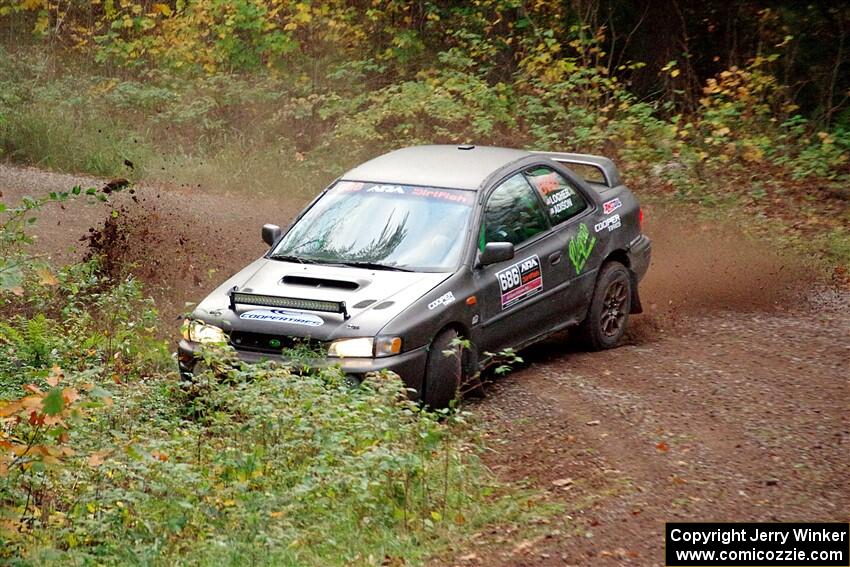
<point x="608" y="315"/>
<point x="443" y="372"/>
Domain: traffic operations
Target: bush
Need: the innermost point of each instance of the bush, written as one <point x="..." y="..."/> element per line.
<point x="255" y="464"/>
<point x="78" y="319"/>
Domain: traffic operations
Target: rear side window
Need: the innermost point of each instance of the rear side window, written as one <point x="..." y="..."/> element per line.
<point x="513" y="213"/>
<point x="562" y="199"/>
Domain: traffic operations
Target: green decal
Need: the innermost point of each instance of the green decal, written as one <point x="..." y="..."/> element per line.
<point x="580" y="248"/>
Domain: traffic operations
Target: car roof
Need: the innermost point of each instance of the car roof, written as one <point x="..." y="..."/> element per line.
<point x="457" y="167"/>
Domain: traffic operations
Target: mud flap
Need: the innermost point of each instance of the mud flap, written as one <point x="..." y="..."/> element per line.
<point x="636" y="305"/>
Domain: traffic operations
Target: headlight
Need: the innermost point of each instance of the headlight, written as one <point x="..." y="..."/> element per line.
<point x="200" y="332"/>
<point x="365" y="347"/>
<point x="352" y="347"/>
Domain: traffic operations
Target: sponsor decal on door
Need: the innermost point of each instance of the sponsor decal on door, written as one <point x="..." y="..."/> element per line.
<point x="580" y="248"/>
<point x="520" y="281"/>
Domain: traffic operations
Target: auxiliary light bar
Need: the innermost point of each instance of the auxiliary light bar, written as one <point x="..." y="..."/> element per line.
<point x="287" y="303"/>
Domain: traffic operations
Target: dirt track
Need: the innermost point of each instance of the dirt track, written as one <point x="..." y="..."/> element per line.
<point x="729" y="401"/>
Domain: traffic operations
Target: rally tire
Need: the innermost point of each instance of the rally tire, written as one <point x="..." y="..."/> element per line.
<point x="608" y="315"/>
<point x="443" y="374"/>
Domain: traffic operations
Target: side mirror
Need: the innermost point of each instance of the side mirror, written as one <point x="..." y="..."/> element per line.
<point x="271" y="232"/>
<point x="495" y="252"/>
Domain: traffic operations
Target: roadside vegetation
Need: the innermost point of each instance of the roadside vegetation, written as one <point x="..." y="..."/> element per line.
<point x="105" y="458"/>
<point x="747" y="113"/>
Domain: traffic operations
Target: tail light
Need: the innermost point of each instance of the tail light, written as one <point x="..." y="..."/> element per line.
<point x="640" y="218"/>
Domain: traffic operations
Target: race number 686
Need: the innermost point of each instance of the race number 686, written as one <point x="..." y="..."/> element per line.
<point x="509" y="278"/>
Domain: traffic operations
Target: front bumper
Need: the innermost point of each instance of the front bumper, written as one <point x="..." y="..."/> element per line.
<point x="409" y="365"/>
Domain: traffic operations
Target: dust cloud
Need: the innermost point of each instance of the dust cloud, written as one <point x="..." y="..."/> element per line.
<point x="700" y="266"/>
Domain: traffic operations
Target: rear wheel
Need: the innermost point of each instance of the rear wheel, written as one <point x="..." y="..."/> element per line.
<point x="443" y="373"/>
<point x="608" y="315"/>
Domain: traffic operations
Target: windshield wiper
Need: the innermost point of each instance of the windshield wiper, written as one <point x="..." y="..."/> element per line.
<point x="376" y="266"/>
<point x="287" y="258"/>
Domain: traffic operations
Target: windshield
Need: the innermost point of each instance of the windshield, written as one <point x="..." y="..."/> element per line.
<point x="382" y="226"/>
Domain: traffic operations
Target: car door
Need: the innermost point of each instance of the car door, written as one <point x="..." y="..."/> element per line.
<point x="571" y="214"/>
<point x="516" y="304"/>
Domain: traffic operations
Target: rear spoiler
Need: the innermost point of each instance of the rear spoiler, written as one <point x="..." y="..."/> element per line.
<point x="594" y="169"/>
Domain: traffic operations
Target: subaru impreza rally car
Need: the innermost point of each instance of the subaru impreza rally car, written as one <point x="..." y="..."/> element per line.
<point x="407" y="252"/>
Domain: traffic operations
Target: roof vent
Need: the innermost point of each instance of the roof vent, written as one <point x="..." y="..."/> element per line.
<point x="466" y="147"/>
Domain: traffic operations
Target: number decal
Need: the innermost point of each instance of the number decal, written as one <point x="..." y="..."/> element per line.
<point x="520" y="281"/>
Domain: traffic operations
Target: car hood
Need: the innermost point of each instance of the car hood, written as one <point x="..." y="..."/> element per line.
<point x="372" y="299"/>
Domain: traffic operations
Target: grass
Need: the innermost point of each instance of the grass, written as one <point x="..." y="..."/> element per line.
<point x="65" y="141"/>
<point x="269" y="468"/>
<point x="242" y="166"/>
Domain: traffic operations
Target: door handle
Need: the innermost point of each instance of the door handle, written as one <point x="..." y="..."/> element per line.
<point x="554" y="258"/>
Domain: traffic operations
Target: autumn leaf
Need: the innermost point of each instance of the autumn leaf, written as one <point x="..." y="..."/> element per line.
<point x="31" y="402"/>
<point x="96" y="459"/>
<point x="11" y="408"/>
<point x="163" y="9"/>
<point x="33" y="389"/>
<point x="663" y="447"/>
<point x="46" y="277"/>
<point x="70" y="395"/>
<point x="52" y="420"/>
<point x="36" y="418"/>
<point x="55" y="375"/>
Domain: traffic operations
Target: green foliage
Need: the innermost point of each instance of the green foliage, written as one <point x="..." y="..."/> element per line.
<point x="440" y="106"/>
<point x="77" y="319"/>
<point x="53" y="139"/>
<point x="259" y="464"/>
<point x="825" y="157"/>
<point x="14" y="238"/>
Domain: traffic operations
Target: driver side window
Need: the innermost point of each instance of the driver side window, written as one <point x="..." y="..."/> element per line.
<point x="512" y="214"/>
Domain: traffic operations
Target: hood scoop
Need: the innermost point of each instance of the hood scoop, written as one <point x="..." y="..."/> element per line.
<point x="319" y="282"/>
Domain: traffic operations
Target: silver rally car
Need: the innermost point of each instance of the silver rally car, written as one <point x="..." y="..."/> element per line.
<point x="405" y="253"/>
